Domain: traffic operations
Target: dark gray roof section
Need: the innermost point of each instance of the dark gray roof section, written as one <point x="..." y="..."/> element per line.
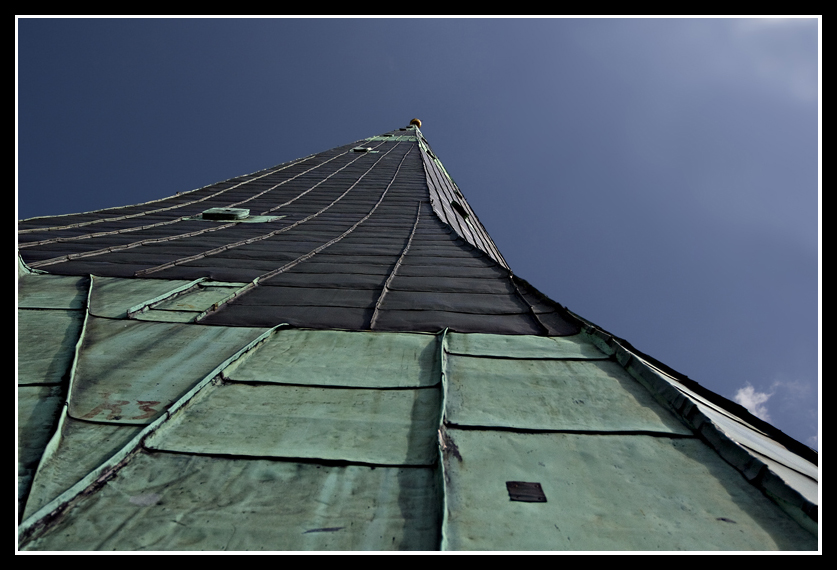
<point x="370" y="235"/>
<point x="450" y="205"/>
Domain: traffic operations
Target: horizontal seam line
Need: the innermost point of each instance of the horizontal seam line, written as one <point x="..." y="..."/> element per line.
<point x="291" y="459"/>
<point x="570" y="431"/>
<point x="228" y="381"/>
<point x="113" y="422"/>
<point x="547" y="358"/>
<point x="50" y="308"/>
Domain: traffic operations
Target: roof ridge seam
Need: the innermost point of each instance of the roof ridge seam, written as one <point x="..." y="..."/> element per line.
<point x="436" y="175"/>
<point x="313" y="252"/>
<point x="391" y="276"/>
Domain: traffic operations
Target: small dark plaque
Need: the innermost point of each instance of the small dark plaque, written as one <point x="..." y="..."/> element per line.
<point x="526" y="492"/>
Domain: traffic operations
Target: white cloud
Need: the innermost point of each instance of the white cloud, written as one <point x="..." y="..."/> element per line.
<point x="754" y="401"/>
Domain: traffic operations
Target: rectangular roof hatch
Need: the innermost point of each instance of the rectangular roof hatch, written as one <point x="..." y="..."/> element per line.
<point x="525" y="492"/>
<point x="225" y="214"/>
<point x="234" y="215"/>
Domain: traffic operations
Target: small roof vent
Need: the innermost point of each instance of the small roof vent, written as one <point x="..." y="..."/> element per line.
<point x="459" y="209"/>
<point x="225" y="214"/>
<point x="362" y="149"/>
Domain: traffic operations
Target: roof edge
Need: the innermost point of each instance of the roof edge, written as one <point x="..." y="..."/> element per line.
<point x="653" y="375"/>
<point x="733" y="407"/>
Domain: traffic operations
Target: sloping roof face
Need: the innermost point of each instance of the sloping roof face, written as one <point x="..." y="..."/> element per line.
<point x="368" y="236"/>
<point x="345" y="361"/>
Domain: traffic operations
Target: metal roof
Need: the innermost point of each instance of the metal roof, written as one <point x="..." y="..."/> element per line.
<point x="333" y="354"/>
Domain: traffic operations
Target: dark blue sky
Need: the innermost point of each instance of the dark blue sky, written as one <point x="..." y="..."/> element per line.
<point x="658" y="177"/>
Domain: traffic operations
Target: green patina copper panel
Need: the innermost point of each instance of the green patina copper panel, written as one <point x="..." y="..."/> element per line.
<point x="522" y="346"/>
<point x="167" y="316"/>
<point x="199" y="298"/>
<point x="22" y="268"/>
<point x="393" y="427"/>
<point x="337" y="358"/>
<point x="112" y="296"/>
<point x="129" y="372"/>
<point x="52" y="291"/>
<point x="606" y="492"/>
<point x="79" y="449"/>
<point x="163" y="501"/>
<point x="46" y="344"/>
<point x="38" y="408"/>
<point x="595" y="395"/>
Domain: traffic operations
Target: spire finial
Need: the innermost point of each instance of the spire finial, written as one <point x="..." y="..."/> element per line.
<point x="416" y="122"/>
